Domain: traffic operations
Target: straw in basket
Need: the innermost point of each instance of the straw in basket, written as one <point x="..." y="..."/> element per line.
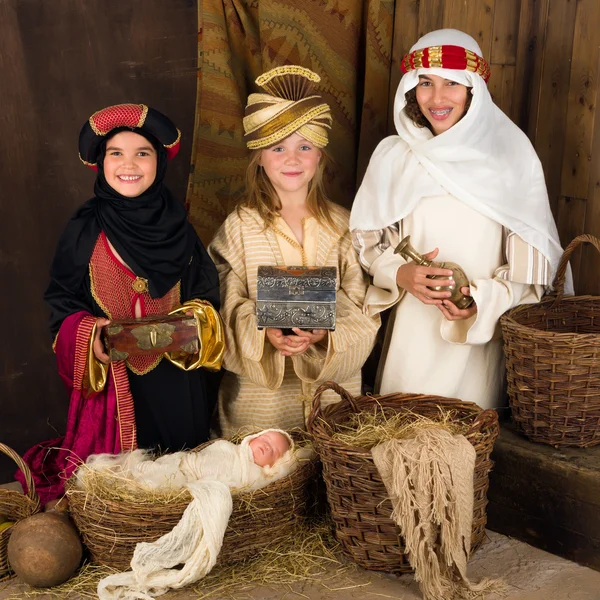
<point x="553" y="363"/>
<point x="15" y="506"/>
<point x="112" y="526"/>
<point x="357" y="498"/>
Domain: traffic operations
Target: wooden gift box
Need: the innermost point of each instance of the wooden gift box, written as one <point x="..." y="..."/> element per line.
<point x="301" y="297"/>
<point x="151" y="335"/>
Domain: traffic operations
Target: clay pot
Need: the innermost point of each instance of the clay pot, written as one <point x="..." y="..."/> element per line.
<point x="60" y="505"/>
<point x="44" y="550"/>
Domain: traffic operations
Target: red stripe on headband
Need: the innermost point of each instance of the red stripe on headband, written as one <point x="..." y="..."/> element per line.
<point x="446" y="57"/>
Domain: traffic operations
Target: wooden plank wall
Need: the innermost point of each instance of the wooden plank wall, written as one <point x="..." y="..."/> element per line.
<point x="59" y="62"/>
<point x="545" y="57"/>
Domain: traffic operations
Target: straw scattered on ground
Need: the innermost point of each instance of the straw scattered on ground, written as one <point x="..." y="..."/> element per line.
<point x="81" y="586"/>
<point x="310" y="554"/>
<point x="368" y="428"/>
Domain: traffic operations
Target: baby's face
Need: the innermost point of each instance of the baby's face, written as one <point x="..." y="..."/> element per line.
<point x="268" y="448"/>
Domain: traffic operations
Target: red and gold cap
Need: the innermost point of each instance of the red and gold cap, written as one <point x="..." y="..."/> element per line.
<point x="446" y="57"/>
<point x="136" y="117"/>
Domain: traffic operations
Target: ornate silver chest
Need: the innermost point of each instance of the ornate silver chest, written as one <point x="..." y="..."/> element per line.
<point x="302" y="297"/>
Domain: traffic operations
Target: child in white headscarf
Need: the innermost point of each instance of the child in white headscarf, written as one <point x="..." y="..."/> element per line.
<point x="468" y="187"/>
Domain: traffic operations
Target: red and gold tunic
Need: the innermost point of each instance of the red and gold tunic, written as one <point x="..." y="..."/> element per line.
<point x="117" y="291"/>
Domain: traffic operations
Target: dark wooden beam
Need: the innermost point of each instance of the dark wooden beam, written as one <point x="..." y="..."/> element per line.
<point x="547" y="497"/>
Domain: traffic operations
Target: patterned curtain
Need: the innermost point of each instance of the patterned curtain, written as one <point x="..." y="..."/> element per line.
<point x="347" y="42"/>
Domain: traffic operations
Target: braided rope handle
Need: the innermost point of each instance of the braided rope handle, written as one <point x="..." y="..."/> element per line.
<point x="31" y="493"/>
<point x="315" y="412"/>
<point x="559" y="279"/>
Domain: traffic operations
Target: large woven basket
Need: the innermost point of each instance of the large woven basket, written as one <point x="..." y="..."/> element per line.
<point x="112" y="529"/>
<point x="358" y="500"/>
<point x="553" y="363"/>
<point x="15" y="506"/>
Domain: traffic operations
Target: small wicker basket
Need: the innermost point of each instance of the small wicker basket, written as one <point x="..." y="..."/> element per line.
<point x="15" y="506"/>
<point x="358" y="500"/>
<point x="553" y="363"/>
<point x="111" y="529"/>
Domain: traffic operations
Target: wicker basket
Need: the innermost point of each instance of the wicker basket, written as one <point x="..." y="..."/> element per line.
<point x="357" y="498"/>
<point x="15" y="506"/>
<point x="111" y="529"/>
<point x="553" y="364"/>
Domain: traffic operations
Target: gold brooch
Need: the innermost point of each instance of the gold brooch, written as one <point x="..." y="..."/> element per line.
<point x="140" y="285"/>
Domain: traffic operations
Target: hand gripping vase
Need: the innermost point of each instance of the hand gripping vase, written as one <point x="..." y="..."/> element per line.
<point x="461" y="280"/>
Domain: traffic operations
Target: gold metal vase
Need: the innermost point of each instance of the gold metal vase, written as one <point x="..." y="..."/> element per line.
<point x="461" y="280"/>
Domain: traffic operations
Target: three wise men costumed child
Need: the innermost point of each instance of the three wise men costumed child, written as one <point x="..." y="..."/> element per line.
<point x="129" y="252"/>
<point x="286" y="219"/>
<point x="467" y="186"/>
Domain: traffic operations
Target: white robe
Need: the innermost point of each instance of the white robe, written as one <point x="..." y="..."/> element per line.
<point x="424" y="352"/>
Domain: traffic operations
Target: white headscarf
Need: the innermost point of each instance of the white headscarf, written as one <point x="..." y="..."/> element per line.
<point x="484" y="160"/>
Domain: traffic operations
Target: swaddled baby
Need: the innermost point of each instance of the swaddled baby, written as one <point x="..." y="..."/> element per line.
<point x="257" y="461"/>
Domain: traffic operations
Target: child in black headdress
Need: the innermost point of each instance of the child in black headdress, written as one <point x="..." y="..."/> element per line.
<point x="128" y="252"/>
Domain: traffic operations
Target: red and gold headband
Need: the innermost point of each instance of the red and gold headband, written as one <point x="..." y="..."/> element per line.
<point x="446" y="57"/>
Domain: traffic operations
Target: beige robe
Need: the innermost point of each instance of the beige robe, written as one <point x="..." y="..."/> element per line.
<point x="261" y="388"/>
<point x="425" y="353"/>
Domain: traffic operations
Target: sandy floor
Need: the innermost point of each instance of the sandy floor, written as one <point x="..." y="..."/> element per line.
<point x="530" y="574"/>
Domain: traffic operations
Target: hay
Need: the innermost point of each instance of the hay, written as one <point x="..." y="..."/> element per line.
<point x="309" y="554"/>
<point x="111" y="486"/>
<point x="114" y="486"/>
<point x="103" y="485"/>
<point x="80" y="587"/>
<point x="114" y="513"/>
<point x="367" y="429"/>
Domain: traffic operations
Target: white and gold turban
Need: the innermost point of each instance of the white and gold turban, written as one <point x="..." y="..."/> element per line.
<point x="288" y="107"/>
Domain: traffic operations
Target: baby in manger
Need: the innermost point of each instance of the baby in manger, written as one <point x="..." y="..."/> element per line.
<point x="256" y="461"/>
<point x="211" y="475"/>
